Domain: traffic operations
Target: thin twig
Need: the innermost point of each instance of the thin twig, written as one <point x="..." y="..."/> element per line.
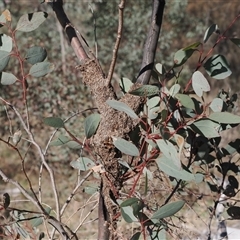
<point x="81" y="223"/>
<point x="42" y="156"/>
<point x="82" y="208"/>
<point x="94" y="30"/>
<point x="73" y="192"/>
<point x="24" y="171"/>
<point x="118" y="40"/>
<point x="19" y="186"/>
<point x="10" y="121"/>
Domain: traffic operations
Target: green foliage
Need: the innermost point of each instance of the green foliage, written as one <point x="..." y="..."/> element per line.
<point x="168" y="210"/>
<point x="91" y="124"/>
<point x="125" y="146"/>
<point x="54" y="122"/>
<point x="182" y="131"/>
<point x="83" y="164"/>
<point x="122" y="107"/>
<point x="31" y="21"/>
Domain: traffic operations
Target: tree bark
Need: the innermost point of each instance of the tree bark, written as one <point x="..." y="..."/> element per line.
<point x="113" y="123"/>
<point x="151" y="42"/>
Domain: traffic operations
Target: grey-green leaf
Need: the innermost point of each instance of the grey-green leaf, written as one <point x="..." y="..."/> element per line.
<point x="169" y="151"/>
<point x="174" y="90"/>
<point x="39" y="220"/>
<point x="54" y="122"/>
<point x="4" y="59"/>
<point x="36" y="54"/>
<point x="217" y="67"/>
<point x="185" y="100"/>
<point x="181" y="56"/>
<point x="127" y="214"/>
<point x="62" y="139"/>
<point x="125" y="84"/>
<point x="225" y="117"/>
<point x="200" y="83"/>
<point x="91" y="124"/>
<point x="41" y="69"/>
<point x="206" y="128"/>
<point x="209" y="32"/>
<point x="153" y="102"/>
<point x="217" y="105"/>
<point x="168" y="210"/>
<point x="74" y="145"/>
<point x="120" y="106"/>
<point x="146" y="91"/>
<point x="236" y="41"/>
<point x="7" y="78"/>
<point x="125" y="146"/>
<point x="31" y="21"/>
<point x="169" y="167"/>
<point x="5" y="43"/>
<point x="83" y="164"/>
<point x="136" y="236"/>
<point x="129" y="202"/>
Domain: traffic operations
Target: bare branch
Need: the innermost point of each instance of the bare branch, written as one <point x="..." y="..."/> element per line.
<point x="77" y="46"/>
<point x="41" y="153"/>
<point x="116" y="47"/>
<point x="151" y="42"/>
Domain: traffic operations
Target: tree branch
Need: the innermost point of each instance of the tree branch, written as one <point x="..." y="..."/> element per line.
<point x="57" y="7"/>
<point x="151" y="42"/>
<point x="116" y="47"/>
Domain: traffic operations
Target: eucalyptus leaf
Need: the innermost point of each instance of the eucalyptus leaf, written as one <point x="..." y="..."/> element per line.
<point x="160" y="68"/>
<point x="74" y="145"/>
<point x="62" y="139"/>
<point x="181" y="56"/>
<point x="54" y="122"/>
<point x="146" y="91"/>
<point x="125" y="146"/>
<point x="125" y="84"/>
<point x="209" y="32"/>
<point x="120" y="106"/>
<point x="41" y="69"/>
<point x="236" y="41"/>
<point x="6" y="43"/>
<point x="35" y="54"/>
<point x="129" y="202"/>
<point x="136" y="236"/>
<point x="83" y="164"/>
<point x="217" y="105"/>
<point x="169" y="167"/>
<point x="185" y="100"/>
<point x="127" y="214"/>
<point x="31" y="21"/>
<point x="7" y="78"/>
<point x="91" y="124"/>
<point x="168" y="210"/>
<point x="174" y="90"/>
<point x="200" y="83"/>
<point x="206" y="127"/>
<point x="169" y="151"/>
<point x="225" y="117"/>
<point x="153" y="102"/>
<point x="4" y="59"/>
